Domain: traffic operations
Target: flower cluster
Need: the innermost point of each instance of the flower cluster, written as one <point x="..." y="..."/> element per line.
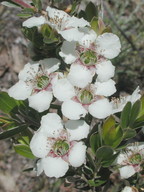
<point x="83" y="87"/>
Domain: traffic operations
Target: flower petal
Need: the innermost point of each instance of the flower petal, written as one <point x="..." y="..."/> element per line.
<point x="68" y="52"/>
<point x="50" y="64"/>
<point x="20" y="91"/>
<point x="127" y="171"/>
<point x="29" y="72"/>
<point x="34" y="22"/>
<point x="127" y="189"/>
<point x="72" y="34"/>
<point x="39" y="145"/>
<point x="40" y="101"/>
<point x="77" y="154"/>
<point x="100" y="109"/>
<point x="79" y="75"/>
<point x="108" y="45"/>
<point x="39" y="167"/>
<point x="73" y="110"/>
<point x="51" y="125"/>
<point x="77" y="129"/>
<point x="54" y="167"/>
<point x="105" y="70"/>
<point x="76" y="22"/>
<point x="105" y="88"/>
<point x="63" y="90"/>
<point x="88" y="38"/>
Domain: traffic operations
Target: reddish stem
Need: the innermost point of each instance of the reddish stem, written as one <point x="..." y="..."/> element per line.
<point x="23" y="4"/>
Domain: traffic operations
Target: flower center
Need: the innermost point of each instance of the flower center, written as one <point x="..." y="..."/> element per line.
<point x="89" y="57"/>
<point x="135" y="159"/>
<point x="42" y="82"/>
<point x="85" y="97"/>
<point x="61" y="147"/>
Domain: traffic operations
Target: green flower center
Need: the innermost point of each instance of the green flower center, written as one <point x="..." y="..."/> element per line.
<point x="42" y="82"/>
<point x="89" y="57"/>
<point x="61" y="147"/>
<point x="85" y="97"/>
<point x="135" y="159"/>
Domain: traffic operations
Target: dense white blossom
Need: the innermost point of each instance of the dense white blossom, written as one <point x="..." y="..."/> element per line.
<point x="59" y="147"/>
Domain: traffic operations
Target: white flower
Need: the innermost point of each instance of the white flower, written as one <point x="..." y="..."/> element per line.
<point x="34" y="22"/>
<point x="92" y="53"/>
<point x="130" y="161"/>
<point x="35" y="84"/>
<point x="128" y="189"/>
<point x="119" y="104"/>
<point x="77" y="102"/>
<point x="66" y="25"/>
<point x="59" y="147"/>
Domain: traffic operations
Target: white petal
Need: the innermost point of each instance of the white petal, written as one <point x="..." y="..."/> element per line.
<point x="100" y="109"/>
<point x="88" y="38"/>
<point x="77" y="154"/>
<point x="134" y="97"/>
<point x="34" y="22"/>
<point x="72" y="34"/>
<point x="77" y="129"/>
<point x="50" y="64"/>
<point x="54" y="167"/>
<point x="29" y="72"/>
<point x="73" y="110"/>
<point x="55" y="13"/>
<point x="76" y="22"/>
<point x="108" y="45"/>
<point x="51" y="125"/>
<point x="127" y="171"/>
<point x="79" y="76"/>
<point x="63" y="90"/>
<point x="39" y="145"/>
<point x="105" y="70"/>
<point x="20" y="91"/>
<point x="127" y="189"/>
<point x="121" y="158"/>
<point x="39" y="167"/>
<point x="105" y="88"/>
<point x="68" y="52"/>
<point x="40" y="101"/>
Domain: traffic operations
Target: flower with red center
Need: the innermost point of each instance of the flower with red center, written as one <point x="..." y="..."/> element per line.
<point x="130" y="161"/>
<point x="78" y="102"/>
<point x="59" y="147"/>
<point x="35" y="84"/>
<point x="90" y="56"/>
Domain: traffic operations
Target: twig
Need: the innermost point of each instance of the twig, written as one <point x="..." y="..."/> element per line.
<point x="118" y="27"/>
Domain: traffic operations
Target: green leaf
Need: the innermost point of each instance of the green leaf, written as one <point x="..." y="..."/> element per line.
<point x="91" y="11"/>
<point x="95" y="142"/>
<point x="24" y="150"/>
<point x="111" y="134"/>
<point x="134" y="112"/>
<point x="104" y="153"/>
<point x="141" y="113"/>
<point x="125" y="115"/>
<point x="12" y="132"/>
<point x="7" y="103"/>
<point x="10" y="4"/>
<point x="96" y="183"/>
<point x="37" y="4"/>
<point x="94" y="24"/>
<point x="129" y="133"/>
<point x="24" y="15"/>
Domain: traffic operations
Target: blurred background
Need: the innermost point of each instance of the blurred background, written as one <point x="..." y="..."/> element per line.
<point x="126" y="18"/>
